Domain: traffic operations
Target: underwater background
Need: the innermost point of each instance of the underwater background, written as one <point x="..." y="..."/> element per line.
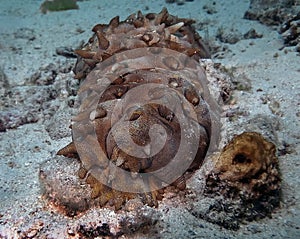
<point x="254" y="47"/>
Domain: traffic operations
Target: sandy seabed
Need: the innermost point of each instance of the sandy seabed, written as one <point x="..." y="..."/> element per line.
<point x="37" y="92"/>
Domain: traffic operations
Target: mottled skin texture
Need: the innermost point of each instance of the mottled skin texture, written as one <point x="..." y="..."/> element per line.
<point x="140" y="31"/>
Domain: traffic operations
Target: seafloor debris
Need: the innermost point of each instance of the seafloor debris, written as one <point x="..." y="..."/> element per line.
<point x="270" y="12"/>
<point x="66" y="52"/>
<point x="290" y="31"/>
<point x="36" y="99"/>
<point x="58" y="5"/>
<point x="283" y="14"/>
<point x="230" y="37"/>
<point x="244" y="183"/>
<point x="178" y="2"/>
<point x="140" y="223"/>
<point x="4" y="86"/>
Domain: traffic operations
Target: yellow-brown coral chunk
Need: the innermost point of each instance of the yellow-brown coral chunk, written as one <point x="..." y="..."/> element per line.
<point x="245" y="156"/>
<point x="247" y="167"/>
<point x="244" y="183"/>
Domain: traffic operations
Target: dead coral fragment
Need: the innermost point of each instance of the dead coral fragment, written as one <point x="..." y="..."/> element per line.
<point x="248" y="164"/>
<point x="246" y="156"/>
<point x="245" y="178"/>
<point x="58" y="5"/>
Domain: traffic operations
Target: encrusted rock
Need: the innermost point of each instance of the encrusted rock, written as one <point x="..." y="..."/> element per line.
<point x="244" y="184"/>
<point x="284" y="15"/>
<point x="270" y="12"/>
<point x="290" y="31"/>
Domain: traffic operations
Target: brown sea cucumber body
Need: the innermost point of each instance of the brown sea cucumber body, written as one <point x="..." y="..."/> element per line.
<point x="142" y="73"/>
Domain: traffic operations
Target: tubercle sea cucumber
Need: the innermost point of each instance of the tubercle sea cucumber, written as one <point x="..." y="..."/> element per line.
<point x="153" y="57"/>
<point x="147" y="119"/>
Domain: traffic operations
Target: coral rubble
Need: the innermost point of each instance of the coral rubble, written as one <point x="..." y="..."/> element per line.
<point x="244" y="184"/>
<point x="283" y="14"/>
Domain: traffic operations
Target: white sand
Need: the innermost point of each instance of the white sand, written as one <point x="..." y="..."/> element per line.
<point x="23" y="149"/>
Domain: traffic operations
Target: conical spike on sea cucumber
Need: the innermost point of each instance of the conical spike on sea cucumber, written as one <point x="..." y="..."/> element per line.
<point x="68" y="150"/>
<point x="161" y="17"/>
<point x="114" y="22"/>
<point x="174" y="28"/>
<point x="102" y="41"/>
<point x="85" y="53"/>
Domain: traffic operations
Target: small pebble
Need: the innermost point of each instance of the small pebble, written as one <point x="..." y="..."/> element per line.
<point x="133" y="205"/>
<point x="274" y="106"/>
<point x="71" y="232"/>
<point x="180" y="2"/>
<point x="32" y="233"/>
<point x="254" y="229"/>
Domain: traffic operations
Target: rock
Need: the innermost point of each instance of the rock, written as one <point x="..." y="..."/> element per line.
<point x="66" y="52"/>
<point x="270" y="12"/>
<point x="228" y="36"/>
<point x="210" y="8"/>
<point x="58" y="5"/>
<point x="244" y="184"/>
<point x="290" y="31"/>
<point x="179" y="2"/>
<point x="97" y="231"/>
<point x="252" y="34"/>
